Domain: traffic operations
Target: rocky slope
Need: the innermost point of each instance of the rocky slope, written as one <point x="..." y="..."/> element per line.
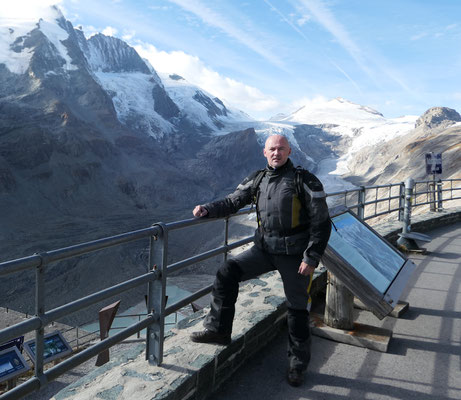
<point x="438" y="130"/>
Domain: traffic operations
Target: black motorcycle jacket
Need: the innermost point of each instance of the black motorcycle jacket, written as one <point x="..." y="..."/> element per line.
<point x="284" y="225"/>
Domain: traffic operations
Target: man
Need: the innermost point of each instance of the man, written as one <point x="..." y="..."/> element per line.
<point x="291" y="237"/>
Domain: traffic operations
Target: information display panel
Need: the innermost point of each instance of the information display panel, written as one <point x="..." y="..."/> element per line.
<point x="12" y="364"/>
<point x="371" y="268"/>
<point x="18" y="342"/>
<point x="55" y="346"/>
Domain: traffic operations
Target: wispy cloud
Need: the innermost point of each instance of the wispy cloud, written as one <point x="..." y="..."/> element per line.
<point x="303" y="20"/>
<point x="327" y="19"/>
<point x="419" y="36"/>
<point x="110" y="31"/>
<point x="194" y="70"/>
<point x="301" y="33"/>
<point x="435" y="33"/>
<point x="216" y="20"/>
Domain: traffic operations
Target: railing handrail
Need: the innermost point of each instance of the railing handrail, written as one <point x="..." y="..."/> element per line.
<point x="158" y="271"/>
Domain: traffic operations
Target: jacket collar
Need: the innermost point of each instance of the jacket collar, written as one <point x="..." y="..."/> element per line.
<point x="277" y="171"/>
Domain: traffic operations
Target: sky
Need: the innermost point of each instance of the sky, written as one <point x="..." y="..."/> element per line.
<point x="400" y="57"/>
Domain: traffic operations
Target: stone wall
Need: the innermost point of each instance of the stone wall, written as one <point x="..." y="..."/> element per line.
<point x="191" y="370"/>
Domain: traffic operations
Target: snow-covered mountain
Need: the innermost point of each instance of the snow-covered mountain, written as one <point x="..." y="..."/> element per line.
<point x="206" y="111"/>
<point x="52" y="47"/>
<point x="326" y="134"/>
<point x="363" y="125"/>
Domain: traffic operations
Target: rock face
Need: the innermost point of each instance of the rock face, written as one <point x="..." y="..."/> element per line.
<point x="438" y="117"/>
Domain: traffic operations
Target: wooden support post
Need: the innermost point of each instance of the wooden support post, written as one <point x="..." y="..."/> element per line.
<point x="338" y="320"/>
<point x="339" y="307"/>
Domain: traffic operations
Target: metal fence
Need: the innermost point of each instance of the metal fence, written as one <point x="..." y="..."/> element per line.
<point x="368" y="202"/>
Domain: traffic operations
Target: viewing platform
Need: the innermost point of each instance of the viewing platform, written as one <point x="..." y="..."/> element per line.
<point x="422" y="362"/>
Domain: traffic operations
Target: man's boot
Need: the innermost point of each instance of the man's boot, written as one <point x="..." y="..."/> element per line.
<point x="211" y="337"/>
<point x="295" y="377"/>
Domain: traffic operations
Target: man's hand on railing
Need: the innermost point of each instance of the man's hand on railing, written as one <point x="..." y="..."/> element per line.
<point x="200" y="211"/>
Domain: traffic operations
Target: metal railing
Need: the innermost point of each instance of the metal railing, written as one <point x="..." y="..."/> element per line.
<point x="368" y="202"/>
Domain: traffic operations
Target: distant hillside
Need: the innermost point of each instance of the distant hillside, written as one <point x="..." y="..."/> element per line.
<point x="438" y="130"/>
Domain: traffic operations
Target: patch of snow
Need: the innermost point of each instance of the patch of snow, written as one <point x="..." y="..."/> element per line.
<point x="57" y="35"/>
<point x="131" y="94"/>
<point x="329" y="172"/>
<point x="364" y="125"/>
<point x="10" y="30"/>
<point x="182" y="93"/>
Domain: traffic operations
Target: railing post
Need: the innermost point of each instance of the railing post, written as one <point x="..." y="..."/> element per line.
<point x="439" y="196"/>
<point x="401" y="200"/>
<point x="361" y="203"/>
<point x="156" y="296"/>
<point x="409" y="185"/>
<point x="432" y="192"/>
<point x="39" y="312"/>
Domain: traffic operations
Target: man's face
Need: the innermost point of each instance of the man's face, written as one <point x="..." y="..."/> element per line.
<point x="277" y="150"/>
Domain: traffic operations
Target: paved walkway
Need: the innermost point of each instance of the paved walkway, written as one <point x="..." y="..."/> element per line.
<point x="423" y="360"/>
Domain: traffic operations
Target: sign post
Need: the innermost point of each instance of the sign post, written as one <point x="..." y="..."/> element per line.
<point x="370" y="268"/>
<point x="106" y="318"/>
<point x="433" y="167"/>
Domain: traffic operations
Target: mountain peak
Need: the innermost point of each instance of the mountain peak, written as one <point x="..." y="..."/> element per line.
<point x="110" y="54"/>
<point x="437" y="117"/>
<point x="21" y="36"/>
<point x="337" y="110"/>
<point x="176" y="77"/>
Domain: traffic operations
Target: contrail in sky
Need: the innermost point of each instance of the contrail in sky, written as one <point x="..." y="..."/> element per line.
<point x="216" y="20"/>
<point x="301" y="33"/>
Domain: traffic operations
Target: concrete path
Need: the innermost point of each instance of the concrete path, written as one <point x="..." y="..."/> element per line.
<point x="424" y="357"/>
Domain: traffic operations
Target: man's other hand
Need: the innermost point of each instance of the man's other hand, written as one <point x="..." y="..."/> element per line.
<point x="305" y="269"/>
<point x="200" y="211"/>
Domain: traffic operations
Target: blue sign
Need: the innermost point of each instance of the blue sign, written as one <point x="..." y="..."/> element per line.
<point x="54" y="346"/>
<point x="433" y="163"/>
<point x="12" y="364"/>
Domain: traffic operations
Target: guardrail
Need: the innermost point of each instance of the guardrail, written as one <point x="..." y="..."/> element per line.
<point x="368" y="202"/>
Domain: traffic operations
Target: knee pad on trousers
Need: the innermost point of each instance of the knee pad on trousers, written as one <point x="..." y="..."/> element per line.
<point x="298" y="323"/>
<point x="229" y="272"/>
